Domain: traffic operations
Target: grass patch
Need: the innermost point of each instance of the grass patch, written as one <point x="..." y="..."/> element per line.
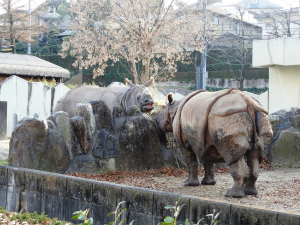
<point x="4" y="162"/>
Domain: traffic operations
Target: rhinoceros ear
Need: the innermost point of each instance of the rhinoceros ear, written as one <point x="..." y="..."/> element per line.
<point x="170" y="98"/>
<point x="129" y="83"/>
<point x="149" y="82"/>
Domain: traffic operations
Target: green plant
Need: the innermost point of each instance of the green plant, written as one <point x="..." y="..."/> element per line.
<point x="177" y="209"/>
<point x="82" y="215"/>
<point x="71" y="86"/>
<point x="117" y="216"/>
<point x="30" y="218"/>
<point x="4" y="162"/>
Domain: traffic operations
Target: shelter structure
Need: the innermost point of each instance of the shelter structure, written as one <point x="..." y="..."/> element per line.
<point x="282" y="57"/>
<point x="30" y="67"/>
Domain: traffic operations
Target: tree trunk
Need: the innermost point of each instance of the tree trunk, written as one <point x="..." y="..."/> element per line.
<point x="11" y="22"/>
<point x="145" y="70"/>
<point x="134" y="71"/>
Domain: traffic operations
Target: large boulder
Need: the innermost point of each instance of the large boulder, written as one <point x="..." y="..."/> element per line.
<point x="103" y="116"/>
<point x="284" y="151"/>
<point x="62" y="121"/>
<point x="38" y="144"/>
<point x="138" y="143"/>
<point x="91" y="165"/>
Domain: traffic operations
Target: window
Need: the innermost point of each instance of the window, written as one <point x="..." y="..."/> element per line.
<point x="254" y="1"/>
<point x="216" y="20"/>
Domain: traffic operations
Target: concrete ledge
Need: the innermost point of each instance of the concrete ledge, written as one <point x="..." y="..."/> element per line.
<point x="60" y="195"/>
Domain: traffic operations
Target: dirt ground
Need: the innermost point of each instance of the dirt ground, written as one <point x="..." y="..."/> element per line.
<point x="279" y="188"/>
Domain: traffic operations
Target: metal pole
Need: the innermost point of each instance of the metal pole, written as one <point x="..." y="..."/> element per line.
<point x="201" y="75"/>
<point x="203" y="56"/>
<point x="15" y="46"/>
<point x="29" y="36"/>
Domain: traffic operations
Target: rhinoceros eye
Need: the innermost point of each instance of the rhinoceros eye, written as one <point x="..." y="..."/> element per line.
<point x="138" y="97"/>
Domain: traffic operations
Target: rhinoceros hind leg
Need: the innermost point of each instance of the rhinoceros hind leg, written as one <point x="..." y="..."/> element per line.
<point x="239" y="172"/>
<point x="192" y="163"/>
<point x="253" y="164"/>
<point x="209" y="178"/>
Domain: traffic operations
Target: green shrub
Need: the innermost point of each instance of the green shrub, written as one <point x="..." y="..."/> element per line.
<point x="4" y="162"/>
<point x="31" y="218"/>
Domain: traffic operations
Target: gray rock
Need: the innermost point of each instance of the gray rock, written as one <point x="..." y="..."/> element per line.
<point x="138" y="144"/>
<point x="285" y="149"/>
<point x="118" y="112"/>
<point x="82" y="132"/>
<point x="103" y="116"/>
<point x="132" y="110"/>
<point x="282" y="120"/>
<point x="90" y="165"/>
<point x="62" y="121"/>
<point x="87" y="111"/>
<point x="38" y="144"/>
<point x="105" y="145"/>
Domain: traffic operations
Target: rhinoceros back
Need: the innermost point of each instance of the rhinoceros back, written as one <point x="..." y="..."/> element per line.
<point x="209" y="106"/>
<point x="86" y="94"/>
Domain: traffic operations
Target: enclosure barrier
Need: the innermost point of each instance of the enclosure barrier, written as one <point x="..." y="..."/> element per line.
<point x="60" y="195"/>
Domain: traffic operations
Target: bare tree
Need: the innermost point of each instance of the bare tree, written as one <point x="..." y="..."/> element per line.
<point x="234" y="47"/>
<point x="282" y="23"/>
<point x="14" y="23"/>
<point x="151" y="33"/>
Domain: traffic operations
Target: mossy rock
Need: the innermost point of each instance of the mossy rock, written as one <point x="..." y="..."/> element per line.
<point x="285" y="149"/>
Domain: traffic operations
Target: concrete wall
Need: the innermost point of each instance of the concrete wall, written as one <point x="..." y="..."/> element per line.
<point x="282" y="57"/>
<point x="219" y="83"/>
<point x="179" y="87"/>
<point x="60" y="195"/>
<point x="280" y="51"/>
<point x="284" y="87"/>
<point x="263" y="98"/>
<point x="27" y="98"/>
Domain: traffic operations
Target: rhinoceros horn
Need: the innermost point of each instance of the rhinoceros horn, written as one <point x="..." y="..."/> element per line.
<point x="129" y="83"/>
<point x="149" y="82"/>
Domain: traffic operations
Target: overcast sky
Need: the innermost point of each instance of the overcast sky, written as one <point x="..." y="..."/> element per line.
<point x="283" y="3"/>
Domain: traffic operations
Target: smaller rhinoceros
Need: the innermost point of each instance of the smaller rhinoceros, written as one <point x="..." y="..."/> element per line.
<point x="223" y="126"/>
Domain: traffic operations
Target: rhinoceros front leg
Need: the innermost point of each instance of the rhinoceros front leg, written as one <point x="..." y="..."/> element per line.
<point x="209" y="178"/>
<point x="239" y="172"/>
<point x="191" y="161"/>
<point x="253" y="164"/>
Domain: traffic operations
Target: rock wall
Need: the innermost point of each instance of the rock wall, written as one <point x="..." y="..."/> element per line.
<point x="94" y="141"/>
<point x="284" y="151"/>
<point x="60" y="195"/>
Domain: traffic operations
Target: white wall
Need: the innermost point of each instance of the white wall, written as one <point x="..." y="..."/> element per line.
<point x="263" y="98"/>
<point x="27" y="98"/>
<point x="284" y="87"/>
<point x="279" y="51"/>
<point x="282" y="57"/>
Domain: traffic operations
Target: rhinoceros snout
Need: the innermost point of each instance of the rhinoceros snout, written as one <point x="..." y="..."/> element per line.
<point x="148" y="105"/>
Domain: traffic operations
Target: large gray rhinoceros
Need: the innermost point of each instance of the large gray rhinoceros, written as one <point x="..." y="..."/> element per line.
<point x="223" y="126"/>
<point x="121" y="96"/>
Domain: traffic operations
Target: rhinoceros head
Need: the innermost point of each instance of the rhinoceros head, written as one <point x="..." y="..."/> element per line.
<point x="166" y="115"/>
<point x="139" y="95"/>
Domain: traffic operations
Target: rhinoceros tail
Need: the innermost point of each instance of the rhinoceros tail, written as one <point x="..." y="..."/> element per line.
<point x="264" y="133"/>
